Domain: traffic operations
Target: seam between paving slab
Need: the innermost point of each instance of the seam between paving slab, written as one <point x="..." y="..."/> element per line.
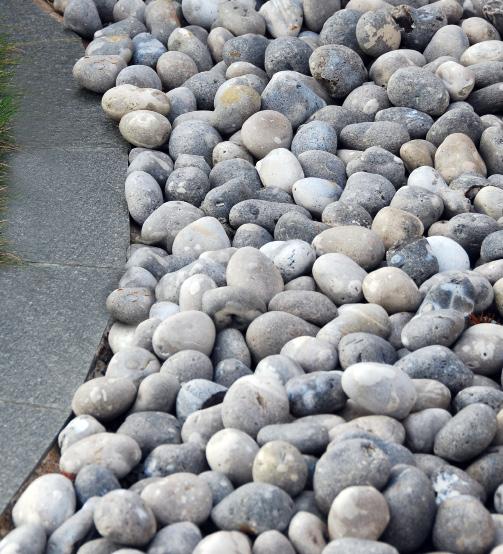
<point x="55" y="310"/>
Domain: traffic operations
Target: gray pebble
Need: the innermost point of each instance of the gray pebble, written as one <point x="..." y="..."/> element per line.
<point x="348" y="463"/>
<point x="193" y="137"/>
<point x="458" y="441"/>
<point x="309" y="438"/>
<point x="318" y="392"/>
<point x="472" y="533"/>
<point x="417" y="88"/>
<point x="25" y="539"/>
<point x="197" y="394"/>
<point x="190" y="499"/>
<point x="385" y="134"/>
<point x="411" y="503"/>
<point x="122" y="516"/>
<point x="177" y="538"/>
<point x="264" y="401"/>
<point x="174" y="458"/>
<point x="365" y="347"/>
<point x="151" y="429"/>
<point x="98" y="73"/>
<point x="94" y="480"/>
<point x="339" y="68"/>
<point x="256" y="507"/>
<point x="418" y="123"/>
<point x="82" y="17"/>
<point x="288" y="94"/>
<point x="439" y="363"/>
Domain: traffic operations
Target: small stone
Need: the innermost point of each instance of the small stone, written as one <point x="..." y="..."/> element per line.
<point x="82" y="17"/>
<point x="467" y="434"/>
<point x="308" y="437"/>
<point x="287" y="53"/>
<point x="117" y="505"/>
<point x="311" y="306"/>
<point x="231" y="452"/>
<point x="449" y="481"/>
<point x="271" y="542"/>
<point x="147" y="50"/>
<point x="365" y="347"/>
<point x="94" y="480"/>
<point x="256" y="507"/>
<point x="386" y="134"/>
<point x="281" y="18"/>
<point x="265" y="131"/>
<point x="392" y="289"/>
<point x="339" y="68"/>
<point x="188" y="364"/>
<point x="178" y="538"/>
<point x="358" y="243"/>
<point x="168" y="459"/>
<point x="379" y="388"/>
<point x="369" y="191"/>
<point x="47" y="502"/>
<point x="26" y="539"/>
<point x="197" y="394"/>
<point x="358" y="546"/>
<point x="314" y="135"/>
<point x="182" y="331"/>
<point x="315" y="194"/>
<point x="264" y="401"/>
<point x="417" y="123"/>
<point x="279" y="463"/>
<point x="307" y="532"/>
<point x="141" y="76"/>
<point x="396" y="227"/>
<point x="119" y="45"/>
<point x="116" y="452"/>
<point x="318" y="392"/>
<point x="449" y="254"/>
<point x="351" y="462"/>
<point x="151" y="429"/>
<point x="293" y="258"/>
<point x="345" y="213"/>
<point x="458" y="80"/>
<point x="417" y="88"/>
<point x="294" y="95"/>
<point x="441" y="327"/>
<point x="439" y="363"/>
<point x="360" y="512"/>
<point x="104" y="398"/>
<point x="98" y="73"/>
<point x="190" y="499"/>
<point x="279" y="168"/>
<point x="449" y="40"/>
<point x="474" y="532"/>
<point x="78" y="428"/>
<point x="232" y="542"/>
<point x="377" y="33"/>
<point x="411" y="503"/>
<point x="145" y="128"/>
<point x="457" y="155"/>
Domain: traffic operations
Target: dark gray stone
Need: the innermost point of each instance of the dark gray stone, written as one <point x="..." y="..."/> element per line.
<point x="411" y="502"/>
<point x="439" y="363"/>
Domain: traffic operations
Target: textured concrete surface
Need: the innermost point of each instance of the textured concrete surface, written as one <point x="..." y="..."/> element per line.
<point x="67" y="221"/>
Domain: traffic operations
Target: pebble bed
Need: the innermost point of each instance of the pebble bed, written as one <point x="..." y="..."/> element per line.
<point x="307" y="354"/>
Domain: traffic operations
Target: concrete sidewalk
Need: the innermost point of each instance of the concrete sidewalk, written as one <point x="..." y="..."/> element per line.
<point x="67" y="220"/>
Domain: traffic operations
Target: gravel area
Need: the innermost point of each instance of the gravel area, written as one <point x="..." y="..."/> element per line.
<point x="307" y="340"/>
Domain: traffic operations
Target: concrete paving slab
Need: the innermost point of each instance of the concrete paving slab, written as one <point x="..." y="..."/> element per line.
<point x="67" y="220"/>
<point x="31" y="425"/>
<point x="55" y="321"/>
<point x="68" y="206"/>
